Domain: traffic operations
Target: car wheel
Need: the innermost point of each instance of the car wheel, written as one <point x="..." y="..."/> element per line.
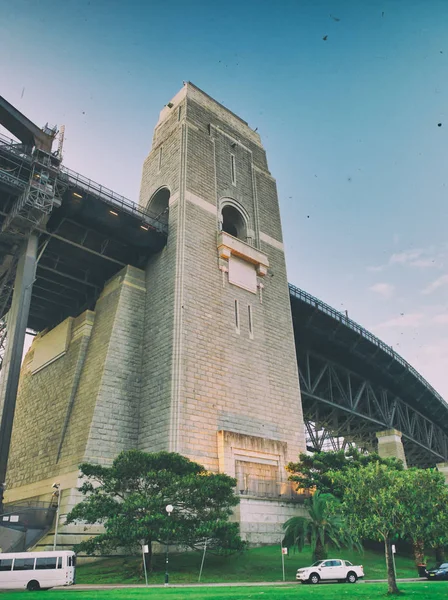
<point x="352" y="577"/>
<point x="314" y="578"/>
<point x="33" y="586"/>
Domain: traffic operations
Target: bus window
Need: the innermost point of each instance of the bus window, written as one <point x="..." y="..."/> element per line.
<point x="71" y="561"/>
<point x="46" y="563"/>
<point x="5" y="564"/>
<point x="60" y="562"/>
<point x="23" y="564"/>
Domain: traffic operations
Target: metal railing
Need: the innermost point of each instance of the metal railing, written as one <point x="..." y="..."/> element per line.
<point x="14" y="147"/>
<point x="338" y="316"/>
<point x="32" y="514"/>
<point x="111" y="197"/>
<point x="25" y="504"/>
<point x="89" y="186"/>
<point x="15" y="157"/>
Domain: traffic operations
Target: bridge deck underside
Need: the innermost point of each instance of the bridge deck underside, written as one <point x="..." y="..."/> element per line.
<point x="351" y="391"/>
<point x="85" y="241"/>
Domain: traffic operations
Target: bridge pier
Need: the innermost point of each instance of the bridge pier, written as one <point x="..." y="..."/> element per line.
<point x="443" y="468"/>
<point x="390" y="445"/>
<point x="17" y="323"/>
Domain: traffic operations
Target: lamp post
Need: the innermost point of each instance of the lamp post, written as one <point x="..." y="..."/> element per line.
<point x="56" y="487"/>
<point x="169" y="510"/>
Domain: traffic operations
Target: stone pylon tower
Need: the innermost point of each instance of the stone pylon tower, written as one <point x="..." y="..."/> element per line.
<point x="193" y="354"/>
<point x="220" y="380"/>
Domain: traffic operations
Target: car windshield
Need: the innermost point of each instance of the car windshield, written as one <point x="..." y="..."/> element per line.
<point x="316" y="564"/>
<point x="443" y="566"/>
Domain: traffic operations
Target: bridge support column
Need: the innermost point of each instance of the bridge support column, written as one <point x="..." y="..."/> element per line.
<point x="390" y="445"/>
<point x="443" y="468"/>
<point x="17" y="322"/>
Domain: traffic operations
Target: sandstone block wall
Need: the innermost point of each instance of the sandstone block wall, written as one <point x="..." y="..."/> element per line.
<point x="390" y="445"/>
<point x="208" y="376"/>
<point x="261" y="520"/>
<point x="161" y="363"/>
<point x="84" y="405"/>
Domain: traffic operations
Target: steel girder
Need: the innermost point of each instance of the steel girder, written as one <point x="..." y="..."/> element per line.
<point x="322" y="440"/>
<point x="338" y="403"/>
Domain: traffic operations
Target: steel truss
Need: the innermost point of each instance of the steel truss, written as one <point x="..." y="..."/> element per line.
<point x="340" y="321"/>
<point x="338" y="403"/>
<point x="322" y="440"/>
<point x="41" y="191"/>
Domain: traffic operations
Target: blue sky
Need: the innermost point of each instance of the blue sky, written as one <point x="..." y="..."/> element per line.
<point x="350" y="125"/>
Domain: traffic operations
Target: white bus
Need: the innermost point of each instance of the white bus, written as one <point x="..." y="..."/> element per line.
<point x="36" y="570"/>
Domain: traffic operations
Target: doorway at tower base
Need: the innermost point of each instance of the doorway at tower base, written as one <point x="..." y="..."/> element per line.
<point x="267" y="498"/>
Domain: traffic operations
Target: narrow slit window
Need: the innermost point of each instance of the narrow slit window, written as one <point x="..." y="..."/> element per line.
<point x="237" y="316"/>
<point x="251" y="321"/>
<point x="179" y="113"/>
<point x="160" y="158"/>
<point x="232" y="168"/>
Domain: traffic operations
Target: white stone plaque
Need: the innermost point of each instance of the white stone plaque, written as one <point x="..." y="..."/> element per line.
<point x="52" y="345"/>
<point x="242" y="274"/>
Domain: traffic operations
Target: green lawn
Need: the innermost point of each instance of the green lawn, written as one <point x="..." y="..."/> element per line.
<point x="423" y="591"/>
<point x="256" y="564"/>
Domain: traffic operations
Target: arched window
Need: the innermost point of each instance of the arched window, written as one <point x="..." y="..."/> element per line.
<point x="158" y="206"/>
<point x="233" y="222"/>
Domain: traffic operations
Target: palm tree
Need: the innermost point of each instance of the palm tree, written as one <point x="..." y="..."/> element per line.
<point x="323" y="527"/>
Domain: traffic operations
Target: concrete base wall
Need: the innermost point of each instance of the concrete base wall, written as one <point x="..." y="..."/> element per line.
<point x="261" y="520"/>
<point x="443" y="468"/>
<point x="67" y="536"/>
<point x="390" y="445"/>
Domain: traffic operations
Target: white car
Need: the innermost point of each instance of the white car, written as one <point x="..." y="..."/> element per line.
<point x="330" y="569"/>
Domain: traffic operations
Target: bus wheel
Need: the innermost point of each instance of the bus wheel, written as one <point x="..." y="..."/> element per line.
<point x="33" y="586"/>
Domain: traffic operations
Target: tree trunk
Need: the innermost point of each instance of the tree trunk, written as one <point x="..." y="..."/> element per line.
<point x="418" y="547"/>
<point x="391" y="579"/>
<point x="440" y="554"/>
<point x="320" y="552"/>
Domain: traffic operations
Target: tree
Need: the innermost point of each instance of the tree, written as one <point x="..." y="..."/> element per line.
<point x="312" y="471"/>
<point x="375" y="506"/>
<point x="439" y="549"/>
<point x="130" y="497"/>
<point x="426" y="498"/>
<point x="323" y="527"/>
